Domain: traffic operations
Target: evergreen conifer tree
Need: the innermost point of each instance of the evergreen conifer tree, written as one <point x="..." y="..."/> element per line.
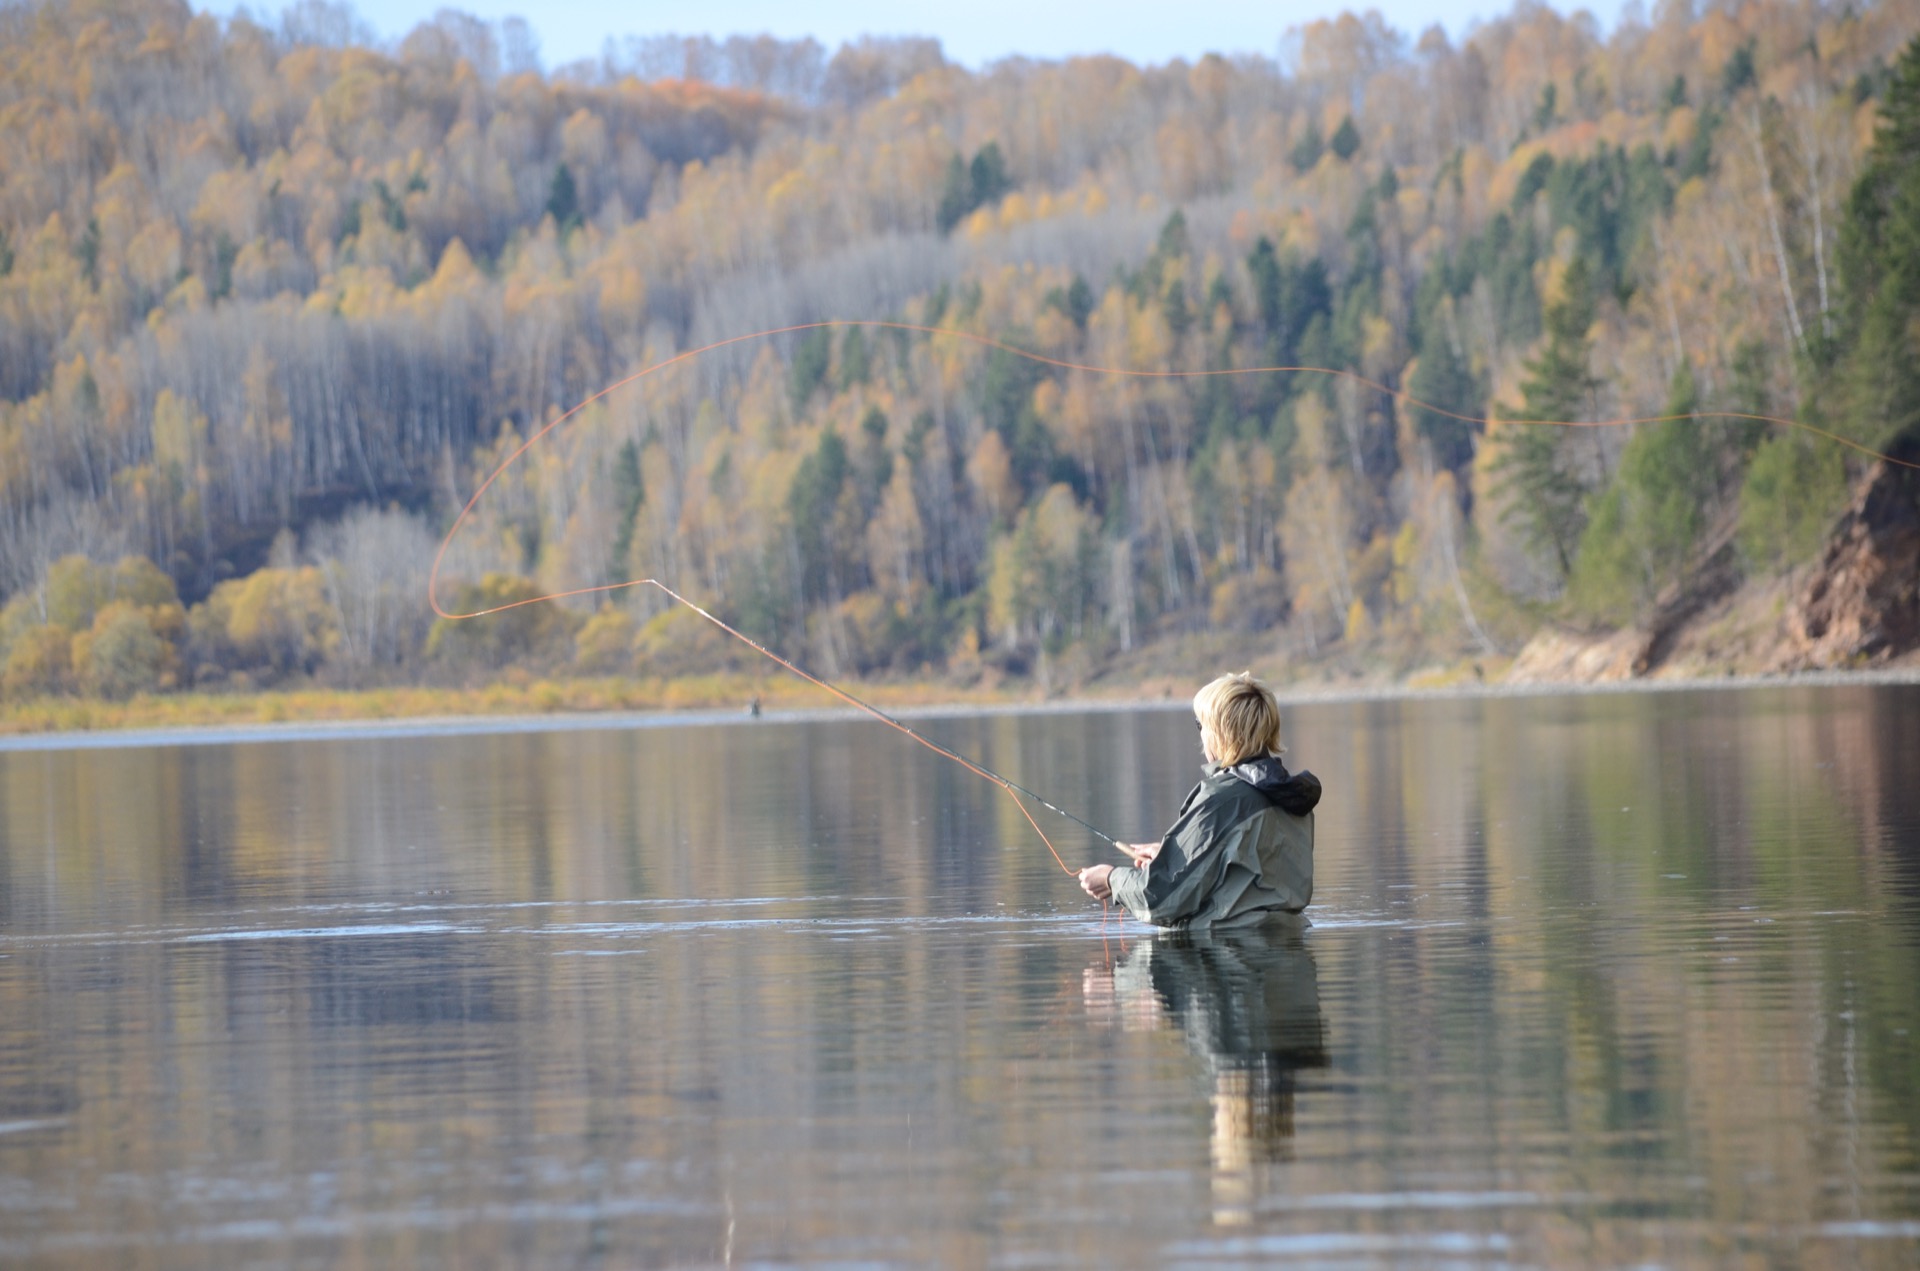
<point x="563" y="200"/>
<point x="808" y="369"/>
<point x="1644" y="528"/>
<point x="1346" y="139"/>
<point x="956" y="195"/>
<point x="1546" y="495"/>
<point x="811" y="501"/>
<point x="1442" y="380"/>
<point x="988" y="173"/>
<point x="856" y="359"/>
<point x="1879" y="371"/>
<point x="1079" y="302"/>
<point x="1307" y="150"/>
<point x="629" y="496"/>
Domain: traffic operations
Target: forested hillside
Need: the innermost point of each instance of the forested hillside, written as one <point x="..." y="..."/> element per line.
<point x="273" y="301"/>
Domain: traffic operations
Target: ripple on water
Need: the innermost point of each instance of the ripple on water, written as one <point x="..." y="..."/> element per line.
<point x="1589" y="983"/>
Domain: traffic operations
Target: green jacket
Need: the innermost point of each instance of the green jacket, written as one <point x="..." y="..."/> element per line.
<point x="1241" y="848"/>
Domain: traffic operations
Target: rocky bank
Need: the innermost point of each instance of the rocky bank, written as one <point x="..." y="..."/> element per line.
<point x="1856" y="606"/>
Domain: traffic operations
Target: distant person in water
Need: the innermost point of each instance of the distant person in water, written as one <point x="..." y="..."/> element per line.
<point x="1242" y="848"/>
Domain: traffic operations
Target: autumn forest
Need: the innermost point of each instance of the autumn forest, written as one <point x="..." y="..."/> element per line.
<point x="275" y="298"/>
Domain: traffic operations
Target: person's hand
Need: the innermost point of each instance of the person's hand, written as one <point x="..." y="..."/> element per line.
<point x="1093" y="881"/>
<point x="1140" y="853"/>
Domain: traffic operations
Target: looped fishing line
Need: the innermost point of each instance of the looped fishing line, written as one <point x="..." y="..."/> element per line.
<point x="1012" y="789"/>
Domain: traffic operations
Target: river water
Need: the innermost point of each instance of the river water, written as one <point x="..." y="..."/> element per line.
<point x="1591" y="981"/>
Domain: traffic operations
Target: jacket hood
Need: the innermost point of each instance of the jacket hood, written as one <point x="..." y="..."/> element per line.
<point x="1296" y="793"/>
<point x="1266" y="773"/>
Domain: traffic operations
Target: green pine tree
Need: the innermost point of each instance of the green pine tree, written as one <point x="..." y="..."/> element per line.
<point x="811" y="501"/>
<point x="956" y="195"/>
<point x="1793" y="489"/>
<point x="1307" y="150"/>
<point x="971" y="185"/>
<point x="1442" y="379"/>
<point x="856" y="359"/>
<point x="809" y="366"/>
<point x="1642" y="531"/>
<point x="1346" y="139"/>
<point x="629" y="496"/>
<point x="988" y="175"/>
<point x="89" y="254"/>
<point x="875" y="466"/>
<point x="563" y="200"/>
<point x="1546" y="496"/>
<point x="1877" y="387"/>
<point x="1079" y="302"/>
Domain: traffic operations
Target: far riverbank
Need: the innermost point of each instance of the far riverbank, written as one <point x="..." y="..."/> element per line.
<point x="565" y="706"/>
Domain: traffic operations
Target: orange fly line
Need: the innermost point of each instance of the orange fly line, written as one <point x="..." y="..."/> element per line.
<point x="1012" y="789"/>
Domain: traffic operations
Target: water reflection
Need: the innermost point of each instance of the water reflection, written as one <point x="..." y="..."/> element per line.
<point x="1248" y="1004"/>
<point x="1591" y="982"/>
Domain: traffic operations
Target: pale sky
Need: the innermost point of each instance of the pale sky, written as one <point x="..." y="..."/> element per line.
<point x="972" y="32"/>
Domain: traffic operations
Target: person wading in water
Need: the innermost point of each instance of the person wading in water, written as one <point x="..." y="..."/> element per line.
<point x="1242" y="848"/>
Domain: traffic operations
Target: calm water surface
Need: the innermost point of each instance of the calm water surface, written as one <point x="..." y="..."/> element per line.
<point x="1594" y="981"/>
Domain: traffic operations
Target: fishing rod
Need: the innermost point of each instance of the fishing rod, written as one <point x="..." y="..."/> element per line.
<point x="1013" y="789"/>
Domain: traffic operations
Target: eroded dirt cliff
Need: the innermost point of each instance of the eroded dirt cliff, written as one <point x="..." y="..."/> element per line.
<point x="1856" y="605"/>
<point x="1862" y="602"/>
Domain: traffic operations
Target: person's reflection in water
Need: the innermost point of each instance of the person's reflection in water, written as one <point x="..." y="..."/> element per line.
<point x="1248" y="1001"/>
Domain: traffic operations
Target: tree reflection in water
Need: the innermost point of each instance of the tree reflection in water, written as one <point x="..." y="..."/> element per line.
<point x="1248" y="1003"/>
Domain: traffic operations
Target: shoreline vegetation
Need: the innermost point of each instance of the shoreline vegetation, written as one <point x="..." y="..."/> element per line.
<point x="713" y="698"/>
<point x="507" y="697"/>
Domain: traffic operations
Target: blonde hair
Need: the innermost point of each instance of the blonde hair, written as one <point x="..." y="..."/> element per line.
<point x="1239" y="720"/>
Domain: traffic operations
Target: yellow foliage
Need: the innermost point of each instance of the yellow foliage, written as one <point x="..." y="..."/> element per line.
<point x="76" y="589"/>
<point x="189" y="296"/>
<point x="40" y="661"/>
<point x="1047" y="400"/>
<point x="523" y="629"/>
<point x="123" y="653"/>
<point x="1149" y="338"/>
<point x="153" y="257"/>
<point x="605" y="644"/>
<point x="1505" y="180"/>
<point x="1380" y="347"/>
<point x="266" y="267"/>
<point x="228" y="205"/>
<point x="1374" y="565"/>
<point x="583" y="140"/>
<point x="1406" y="549"/>
<point x="623" y="296"/>
<point x="179" y="437"/>
<point x="869" y="621"/>
<point x="1039" y="580"/>
<point x="895" y="537"/>
<point x="680" y="642"/>
<point x="278" y="619"/>
<point x="307" y="256"/>
<point x="1358" y="628"/>
<point x="991" y="471"/>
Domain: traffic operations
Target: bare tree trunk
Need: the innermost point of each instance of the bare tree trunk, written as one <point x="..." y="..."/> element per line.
<point x="1120" y="588"/>
<point x="1812" y="151"/>
<point x="1755" y="137"/>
